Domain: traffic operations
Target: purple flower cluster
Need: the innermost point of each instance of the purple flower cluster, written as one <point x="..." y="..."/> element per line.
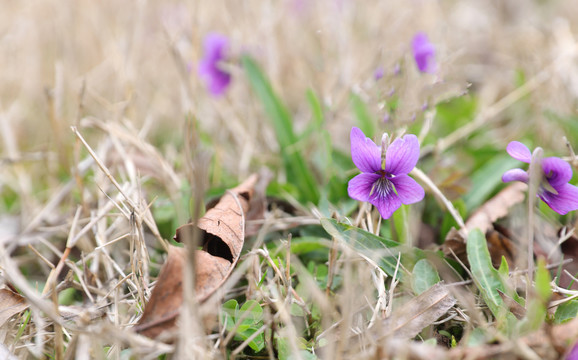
<point x="424" y="53"/>
<point x="215" y="52"/>
<point x="554" y="189"/>
<point x="389" y="186"/>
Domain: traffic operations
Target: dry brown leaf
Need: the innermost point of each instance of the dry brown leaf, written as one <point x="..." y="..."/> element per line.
<point x="11" y="303"/>
<point x="498" y="244"/>
<point x="497" y="207"/>
<point x="419" y="312"/>
<point x="223" y="233"/>
<point x="492" y="210"/>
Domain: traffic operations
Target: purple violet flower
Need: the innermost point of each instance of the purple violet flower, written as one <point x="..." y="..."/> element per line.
<point x="424" y="53"/>
<point x="389" y="186"/>
<point x="215" y="51"/>
<point x="554" y="189"/>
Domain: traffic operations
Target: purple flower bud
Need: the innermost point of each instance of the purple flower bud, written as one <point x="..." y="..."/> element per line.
<point x="424" y="53"/>
<point x="215" y="52"/>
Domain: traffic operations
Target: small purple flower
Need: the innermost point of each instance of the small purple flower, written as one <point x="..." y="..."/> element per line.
<point x="389" y="186"/>
<point x="217" y="80"/>
<point x="554" y="189"/>
<point x="424" y="53"/>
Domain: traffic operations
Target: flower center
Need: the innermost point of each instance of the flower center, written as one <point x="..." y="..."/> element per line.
<point x="383" y="186"/>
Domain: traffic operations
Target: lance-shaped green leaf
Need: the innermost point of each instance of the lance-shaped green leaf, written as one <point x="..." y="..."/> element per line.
<point x="295" y="166"/>
<point x="486" y="278"/>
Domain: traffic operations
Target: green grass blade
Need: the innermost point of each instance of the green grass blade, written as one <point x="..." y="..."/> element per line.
<point x="366" y="121"/>
<point x="483" y="184"/>
<point x="295" y="166"/>
<point x="316" y="109"/>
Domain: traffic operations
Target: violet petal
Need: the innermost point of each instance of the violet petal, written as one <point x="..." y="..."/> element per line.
<point x="565" y="201"/>
<point x="364" y="153"/>
<point x="557" y="171"/>
<point x="360" y="186"/>
<point x="515" y="175"/>
<point x="408" y="190"/>
<point x="519" y="151"/>
<point x="402" y="155"/>
<point x="385" y="204"/>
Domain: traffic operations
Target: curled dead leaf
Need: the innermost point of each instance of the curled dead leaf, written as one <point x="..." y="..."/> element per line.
<point x="11" y="303"/>
<point x="222" y="236"/>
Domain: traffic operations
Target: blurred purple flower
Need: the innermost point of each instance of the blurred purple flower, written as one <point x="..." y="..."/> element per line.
<point x="424" y="53"/>
<point x="215" y="51"/>
<point x="378" y="73"/>
<point x="389" y="186"/>
<point x="554" y="189"/>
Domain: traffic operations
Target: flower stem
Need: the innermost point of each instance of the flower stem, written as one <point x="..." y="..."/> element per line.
<point x="422" y="177"/>
<point x="535" y="173"/>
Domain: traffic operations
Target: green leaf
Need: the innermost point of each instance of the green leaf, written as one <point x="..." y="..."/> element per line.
<point x="229" y="314"/>
<point x="401" y="224"/>
<point x="366" y="243"/>
<point x="543" y="282"/>
<point x="449" y="221"/>
<point x="536" y="305"/>
<point x="316" y="109"/>
<point x="485" y="276"/>
<point x="486" y="179"/>
<point x="306" y="244"/>
<point x="284" y="349"/>
<point x="295" y="166"/>
<point x="476" y="337"/>
<point x="366" y="121"/>
<point x="254" y="310"/>
<point x="504" y="269"/>
<point x="566" y="312"/>
<point x="424" y="276"/>
<point x="252" y="321"/>
<point x="535" y="316"/>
